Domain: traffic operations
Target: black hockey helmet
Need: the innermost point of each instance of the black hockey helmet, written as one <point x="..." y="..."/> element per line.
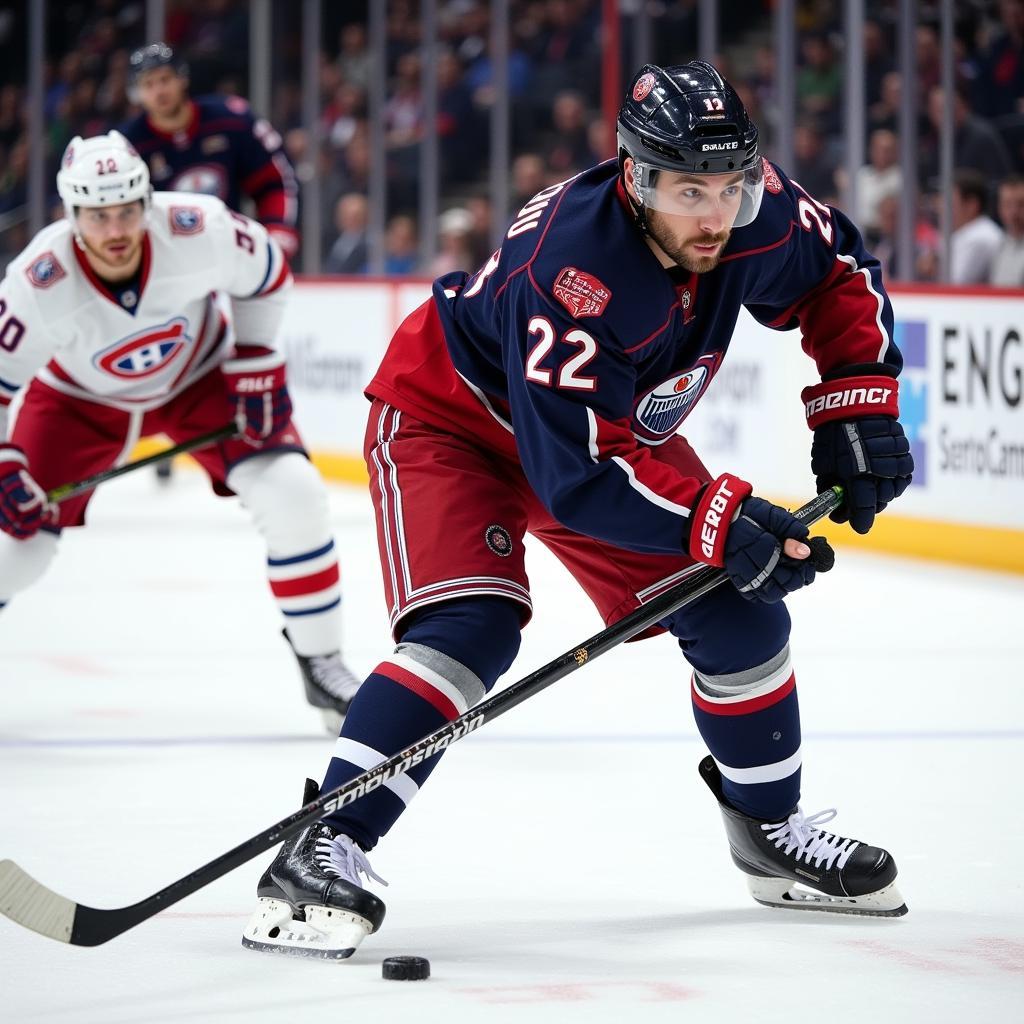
<point x="688" y="119"/>
<point x="150" y="57"/>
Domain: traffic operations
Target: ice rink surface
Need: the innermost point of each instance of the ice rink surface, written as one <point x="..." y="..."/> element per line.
<point x="565" y="863"/>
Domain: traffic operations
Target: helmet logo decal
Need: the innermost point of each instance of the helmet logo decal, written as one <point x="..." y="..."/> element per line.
<point x="708" y="147"/>
<point x="582" y="294"/>
<point x="772" y="182"/>
<point x="714" y="103"/>
<point x="660" y="411"/>
<point x="643" y="87"/>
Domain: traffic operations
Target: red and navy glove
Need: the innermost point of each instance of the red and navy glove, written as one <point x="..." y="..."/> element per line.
<point x="859" y="442"/>
<point x="23" y="505"/>
<point x="258" y="392"/>
<point x="744" y="535"/>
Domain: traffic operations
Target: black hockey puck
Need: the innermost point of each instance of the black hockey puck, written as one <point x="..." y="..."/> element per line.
<point x="406" y="968"/>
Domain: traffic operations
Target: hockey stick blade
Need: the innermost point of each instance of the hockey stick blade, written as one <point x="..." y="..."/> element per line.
<point x="65" y="491"/>
<point x="32" y="905"/>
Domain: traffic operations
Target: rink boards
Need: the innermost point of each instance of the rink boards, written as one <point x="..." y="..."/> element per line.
<point x="962" y="405"/>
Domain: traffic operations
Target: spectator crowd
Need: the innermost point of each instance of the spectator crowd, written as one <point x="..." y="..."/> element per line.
<point x="557" y="129"/>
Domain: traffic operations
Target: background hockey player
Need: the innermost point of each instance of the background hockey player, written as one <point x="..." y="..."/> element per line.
<point x="544" y="394"/>
<point x="141" y="314"/>
<point x="210" y="144"/>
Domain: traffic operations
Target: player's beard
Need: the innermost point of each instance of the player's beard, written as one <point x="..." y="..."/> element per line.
<point x="677" y="251"/>
<point x="116" y="267"/>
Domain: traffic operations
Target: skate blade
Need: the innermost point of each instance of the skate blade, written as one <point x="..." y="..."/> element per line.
<point x="784" y="893"/>
<point x="326" y="934"/>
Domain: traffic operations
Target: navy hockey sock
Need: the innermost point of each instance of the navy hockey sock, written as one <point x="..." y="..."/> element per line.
<point x="750" y="722"/>
<point x="449" y="657"/>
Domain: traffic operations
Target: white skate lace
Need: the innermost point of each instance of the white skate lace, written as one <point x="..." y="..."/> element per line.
<point x="803" y="838"/>
<point x="341" y="857"/>
<point x="332" y="675"/>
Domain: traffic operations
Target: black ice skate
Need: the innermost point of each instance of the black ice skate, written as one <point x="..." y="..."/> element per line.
<point x="795" y="864"/>
<point x="330" y="686"/>
<point x="311" y="900"/>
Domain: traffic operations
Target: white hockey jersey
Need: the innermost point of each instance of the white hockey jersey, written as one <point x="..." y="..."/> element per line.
<point x="204" y="270"/>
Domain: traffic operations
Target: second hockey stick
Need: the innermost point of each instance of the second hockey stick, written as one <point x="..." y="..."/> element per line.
<point x="65" y="491"/>
<point x="31" y="904"/>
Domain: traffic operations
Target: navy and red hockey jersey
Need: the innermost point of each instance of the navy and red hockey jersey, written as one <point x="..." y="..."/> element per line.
<point x="576" y="352"/>
<point x="227" y="153"/>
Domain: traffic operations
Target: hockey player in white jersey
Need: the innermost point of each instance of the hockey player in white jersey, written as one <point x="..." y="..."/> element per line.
<point x="142" y="314"/>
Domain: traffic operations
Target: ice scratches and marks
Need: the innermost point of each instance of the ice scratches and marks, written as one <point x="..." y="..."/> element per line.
<point x="32" y="905"/>
<point x="785" y="894"/>
<point x="326" y="933"/>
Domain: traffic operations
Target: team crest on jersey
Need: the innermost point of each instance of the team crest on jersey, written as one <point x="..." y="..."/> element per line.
<point x="663" y="408"/>
<point x="499" y="540"/>
<point x="143" y="354"/>
<point x="158" y="167"/>
<point x="214" y="144"/>
<point x="45" y="270"/>
<point x="581" y="294"/>
<point x="643" y="87"/>
<point x="185" y="220"/>
<point x="772" y="182"/>
<point x="207" y="179"/>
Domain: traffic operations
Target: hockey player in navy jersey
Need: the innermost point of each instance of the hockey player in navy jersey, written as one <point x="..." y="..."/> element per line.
<point x="545" y="394"/>
<point x="210" y="144"/>
<point x="141" y="314"/>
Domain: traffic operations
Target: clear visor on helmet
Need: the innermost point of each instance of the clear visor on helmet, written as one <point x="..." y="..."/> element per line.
<point x="735" y="195"/>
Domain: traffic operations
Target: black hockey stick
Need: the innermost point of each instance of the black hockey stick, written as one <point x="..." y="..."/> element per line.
<point x="32" y="905"/>
<point x="65" y="491"/>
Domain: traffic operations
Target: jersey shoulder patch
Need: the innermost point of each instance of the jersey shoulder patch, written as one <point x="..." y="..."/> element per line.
<point x="45" y="270"/>
<point x="185" y="220"/>
<point x="582" y="294"/>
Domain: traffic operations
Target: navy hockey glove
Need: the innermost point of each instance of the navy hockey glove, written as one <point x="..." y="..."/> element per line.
<point x="23" y="505"/>
<point x="258" y="392"/>
<point x="754" y="559"/>
<point x="859" y="443"/>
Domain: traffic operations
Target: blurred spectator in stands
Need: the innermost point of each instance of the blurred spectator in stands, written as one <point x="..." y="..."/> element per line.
<point x="14" y="177"/>
<point x="343" y="114"/>
<point x="883" y="244"/>
<point x="819" y="81"/>
<point x="403" y="129"/>
<point x="929" y="59"/>
<point x="813" y="166"/>
<point x="1002" y="65"/>
<point x="112" y="97"/>
<point x="877" y="61"/>
<point x="349" y="253"/>
<point x="885" y="111"/>
<point x="1008" y="262"/>
<point x="11" y="125"/>
<point x="353" y="169"/>
<point x="976" y="236"/>
<point x="481" y="212"/>
<point x="567" y="147"/>
<point x="878" y="178"/>
<point x="529" y="176"/>
<point x="458" y="125"/>
<point x="400" y="242"/>
<point x="454" y="240"/>
<point x="976" y="144"/>
<point x="353" y="60"/>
